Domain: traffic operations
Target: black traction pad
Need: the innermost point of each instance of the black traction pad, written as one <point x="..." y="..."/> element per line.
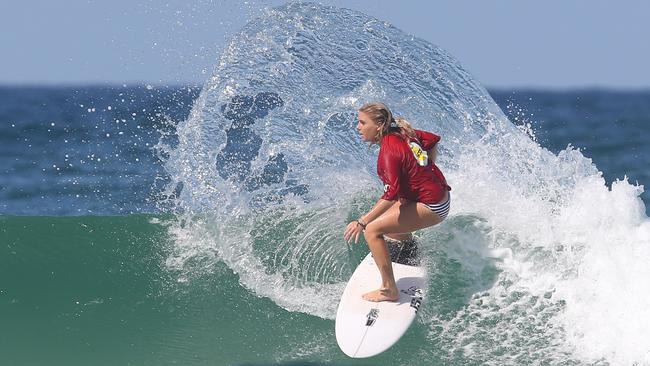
<point x="404" y="252"/>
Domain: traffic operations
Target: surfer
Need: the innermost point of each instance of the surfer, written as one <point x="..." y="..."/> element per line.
<point x="416" y="194"/>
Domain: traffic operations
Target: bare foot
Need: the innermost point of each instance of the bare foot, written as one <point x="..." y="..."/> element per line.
<point x="382" y="294"/>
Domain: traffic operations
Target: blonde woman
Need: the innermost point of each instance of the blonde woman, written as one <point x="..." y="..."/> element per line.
<point x="416" y="194"/>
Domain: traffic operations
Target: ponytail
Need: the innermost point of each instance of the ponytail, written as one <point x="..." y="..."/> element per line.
<point x="406" y="130"/>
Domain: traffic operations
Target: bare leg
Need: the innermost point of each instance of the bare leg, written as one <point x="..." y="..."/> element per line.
<point x="400" y="236"/>
<point x="388" y="290"/>
<point x="405" y="217"/>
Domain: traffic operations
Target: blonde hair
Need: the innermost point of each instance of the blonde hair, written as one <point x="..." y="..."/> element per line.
<point x="381" y="114"/>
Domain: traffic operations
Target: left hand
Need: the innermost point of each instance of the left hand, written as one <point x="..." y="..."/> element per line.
<point x="352" y="230"/>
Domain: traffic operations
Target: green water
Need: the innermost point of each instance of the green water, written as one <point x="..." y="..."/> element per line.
<point x="96" y="291"/>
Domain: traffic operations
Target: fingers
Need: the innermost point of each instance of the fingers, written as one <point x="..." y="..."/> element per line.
<point x="348" y="234"/>
<point x="349" y="231"/>
<point x="350" y="237"/>
<point x="347" y="237"/>
<point x="352" y="230"/>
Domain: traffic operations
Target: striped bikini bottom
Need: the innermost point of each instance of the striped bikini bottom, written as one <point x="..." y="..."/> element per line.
<point x="442" y="209"/>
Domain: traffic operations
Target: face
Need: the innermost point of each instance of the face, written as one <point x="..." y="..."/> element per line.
<point x="367" y="128"/>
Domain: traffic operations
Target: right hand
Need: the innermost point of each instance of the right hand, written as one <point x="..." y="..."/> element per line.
<point x="353" y="229"/>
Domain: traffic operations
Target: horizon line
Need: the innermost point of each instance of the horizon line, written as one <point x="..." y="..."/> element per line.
<point x="178" y="85"/>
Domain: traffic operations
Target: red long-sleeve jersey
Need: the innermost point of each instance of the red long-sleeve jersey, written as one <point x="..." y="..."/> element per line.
<point x="403" y="176"/>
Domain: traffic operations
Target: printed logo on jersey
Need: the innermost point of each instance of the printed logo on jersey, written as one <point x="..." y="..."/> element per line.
<point x="386" y="187"/>
<point x="420" y="155"/>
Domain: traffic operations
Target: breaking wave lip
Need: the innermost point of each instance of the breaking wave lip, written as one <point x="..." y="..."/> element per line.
<point x="268" y="169"/>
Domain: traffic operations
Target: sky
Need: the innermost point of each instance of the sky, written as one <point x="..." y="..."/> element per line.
<point x="551" y="44"/>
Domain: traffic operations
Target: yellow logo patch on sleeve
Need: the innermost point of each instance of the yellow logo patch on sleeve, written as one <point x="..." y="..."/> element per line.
<point x="420" y="155"/>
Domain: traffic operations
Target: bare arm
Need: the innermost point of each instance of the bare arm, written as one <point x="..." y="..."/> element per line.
<point x="392" y="171"/>
<point x="378" y="209"/>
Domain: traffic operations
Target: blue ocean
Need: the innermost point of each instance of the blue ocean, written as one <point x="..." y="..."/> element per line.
<point x="202" y="225"/>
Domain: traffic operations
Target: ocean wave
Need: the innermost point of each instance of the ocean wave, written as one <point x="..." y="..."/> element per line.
<point x="268" y="169"/>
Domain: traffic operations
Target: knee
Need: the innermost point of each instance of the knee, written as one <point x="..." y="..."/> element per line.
<point x="372" y="232"/>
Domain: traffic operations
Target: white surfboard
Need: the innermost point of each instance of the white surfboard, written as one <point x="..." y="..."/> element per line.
<point x="365" y="328"/>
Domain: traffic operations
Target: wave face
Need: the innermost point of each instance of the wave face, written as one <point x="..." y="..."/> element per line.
<point x="537" y="255"/>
